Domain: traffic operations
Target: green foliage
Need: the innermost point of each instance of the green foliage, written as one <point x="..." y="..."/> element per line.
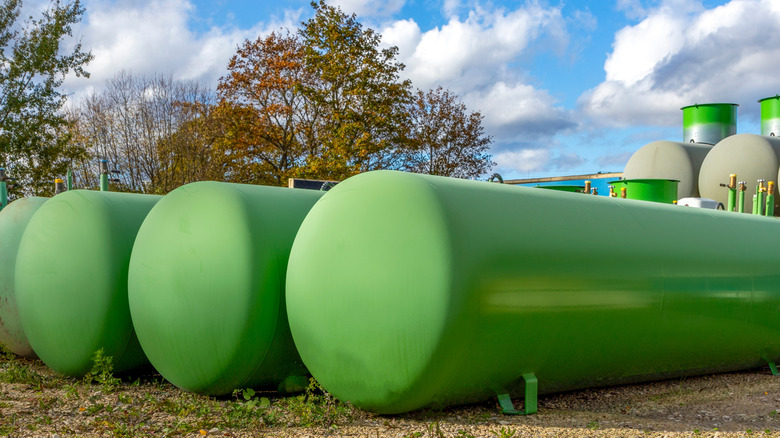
<point x="17" y="371"/>
<point x="250" y="400"/>
<point x="504" y="432"/>
<point x="360" y="96"/>
<point x="34" y="141"/>
<point x="102" y="372"/>
<point x="328" y="102"/>
<point x="316" y="407"/>
<point x="434" y="430"/>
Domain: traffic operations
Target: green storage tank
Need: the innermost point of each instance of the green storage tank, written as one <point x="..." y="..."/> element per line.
<point x="406" y="291"/>
<point x="71" y="279"/>
<point x="654" y="190"/>
<point x="709" y="123"/>
<point x="770" y="116"/>
<point x="563" y="188"/>
<point x="206" y="285"/>
<point x="13" y="220"/>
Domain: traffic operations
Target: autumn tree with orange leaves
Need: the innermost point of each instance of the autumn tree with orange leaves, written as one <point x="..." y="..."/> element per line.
<point x="270" y="123"/>
<point x="327" y="103"/>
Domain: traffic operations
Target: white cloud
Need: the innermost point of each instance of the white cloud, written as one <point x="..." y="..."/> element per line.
<point x="369" y="8"/>
<point x="681" y="54"/>
<point x="632" y="8"/>
<point x="450" y="7"/>
<point x="524" y="160"/>
<point x="474" y="57"/>
<point x="153" y="36"/>
<point x="518" y="112"/>
<point x="472" y="49"/>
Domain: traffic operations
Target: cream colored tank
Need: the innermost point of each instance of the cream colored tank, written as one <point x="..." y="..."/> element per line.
<point x="669" y="160"/>
<point x="751" y="157"/>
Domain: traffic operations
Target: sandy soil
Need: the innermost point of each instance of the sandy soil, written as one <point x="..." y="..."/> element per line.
<point x="36" y="402"/>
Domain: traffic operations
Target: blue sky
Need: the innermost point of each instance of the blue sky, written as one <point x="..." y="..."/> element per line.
<point x="565" y="87"/>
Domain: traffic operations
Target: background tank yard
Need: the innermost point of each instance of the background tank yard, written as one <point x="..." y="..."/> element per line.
<point x="311" y="332"/>
<point x="158" y="279"/>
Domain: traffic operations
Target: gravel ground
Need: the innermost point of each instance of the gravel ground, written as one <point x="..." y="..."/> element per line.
<point x="36" y="402"/>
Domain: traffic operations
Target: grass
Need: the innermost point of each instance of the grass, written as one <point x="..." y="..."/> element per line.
<point x="36" y="401"/>
<point x="102" y="403"/>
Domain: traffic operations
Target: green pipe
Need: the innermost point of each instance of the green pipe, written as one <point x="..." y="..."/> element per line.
<point x="69" y="180"/>
<point x="3" y="194"/>
<point x="732" y="192"/>
<point x="758" y="199"/>
<point x="3" y="189"/>
<point x="741" y="203"/>
<point x="437" y="309"/>
<point x="770" y="199"/>
<point x="103" y="175"/>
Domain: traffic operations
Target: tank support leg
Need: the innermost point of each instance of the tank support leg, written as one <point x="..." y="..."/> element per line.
<point x="773" y="368"/>
<point x="531" y="390"/>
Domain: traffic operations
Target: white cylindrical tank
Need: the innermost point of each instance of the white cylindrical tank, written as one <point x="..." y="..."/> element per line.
<point x="669" y="160"/>
<point x="751" y="157"/>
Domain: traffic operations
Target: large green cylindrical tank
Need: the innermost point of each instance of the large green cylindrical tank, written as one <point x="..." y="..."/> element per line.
<point x="653" y="190"/>
<point x="406" y="291"/>
<point x="709" y="122"/>
<point x="206" y="285"/>
<point x="71" y="279"/>
<point x="13" y="220"/>
<point x="669" y="160"/>
<point x="751" y="157"/>
<point x="770" y="116"/>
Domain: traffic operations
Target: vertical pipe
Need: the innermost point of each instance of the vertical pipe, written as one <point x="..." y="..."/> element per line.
<point x="741" y="203"/>
<point x="770" y="199"/>
<point x="69" y="180"/>
<point x="623" y="192"/>
<point x="3" y="189"/>
<point x="732" y="192"/>
<point x="59" y="186"/>
<point x="587" y="187"/>
<point x="3" y="195"/>
<point x="103" y="175"/>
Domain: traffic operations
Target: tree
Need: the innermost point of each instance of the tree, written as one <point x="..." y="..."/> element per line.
<point x="360" y="96"/>
<point x="150" y="129"/>
<point x="269" y="131"/>
<point x="34" y="144"/>
<point x="445" y="139"/>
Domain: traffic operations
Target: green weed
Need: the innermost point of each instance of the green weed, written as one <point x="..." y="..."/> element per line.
<point x="316" y="407"/>
<point x="504" y="432"/>
<point x="102" y="372"/>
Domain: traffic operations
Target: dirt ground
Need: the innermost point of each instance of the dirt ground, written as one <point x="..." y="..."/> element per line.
<point x="36" y="402"/>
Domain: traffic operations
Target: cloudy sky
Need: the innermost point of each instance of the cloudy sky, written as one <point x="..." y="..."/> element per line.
<point x="565" y="87"/>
